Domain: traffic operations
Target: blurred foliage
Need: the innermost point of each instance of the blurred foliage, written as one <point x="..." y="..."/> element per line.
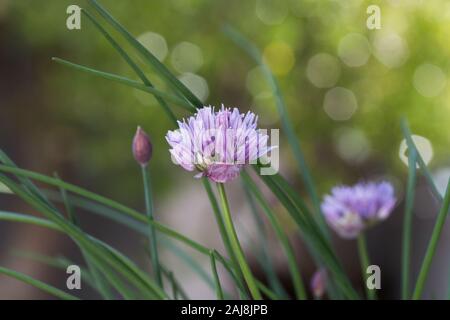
<point x="52" y="114"/>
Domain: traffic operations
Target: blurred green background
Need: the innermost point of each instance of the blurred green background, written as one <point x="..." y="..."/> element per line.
<point x="85" y="124"/>
<point x="346" y="87"/>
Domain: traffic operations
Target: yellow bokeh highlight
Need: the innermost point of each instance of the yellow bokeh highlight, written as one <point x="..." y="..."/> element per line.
<point x="280" y="57"/>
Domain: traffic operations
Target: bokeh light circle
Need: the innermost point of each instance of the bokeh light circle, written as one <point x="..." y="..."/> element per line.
<point x="155" y="43"/>
<point x="323" y="70"/>
<point x="340" y="103"/>
<point x="440" y="177"/>
<point x="271" y="12"/>
<point x="354" y="50"/>
<point x="429" y="80"/>
<point x="352" y="145"/>
<point x="196" y="84"/>
<point x="280" y="57"/>
<point x="186" y="57"/>
<point x="390" y="49"/>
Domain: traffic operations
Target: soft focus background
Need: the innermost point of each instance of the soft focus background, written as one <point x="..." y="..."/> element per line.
<point x="346" y="88"/>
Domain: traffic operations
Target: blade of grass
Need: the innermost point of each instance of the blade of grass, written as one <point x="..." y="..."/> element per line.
<point x="58" y="262"/>
<point x="432" y="245"/>
<point x="113" y="279"/>
<point x="131" y="83"/>
<point x="287" y="248"/>
<point x="95" y="247"/>
<point x="105" y="201"/>
<point x="236" y="246"/>
<point x="364" y="262"/>
<point x="116" y="206"/>
<point x="219" y="292"/>
<point x="269" y="293"/>
<point x="407" y="222"/>
<point x="314" y="238"/>
<point x="189" y="261"/>
<point x="176" y="287"/>
<point x="263" y="256"/>
<point x="422" y="165"/>
<point x="134" y="225"/>
<point x="67" y="205"/>
<point x="148" y="56"/>
<point x="151" y="234"/>
<point x="100" y="283"/>
<point x="293" y="140"/>
<point x="38" y="284"/>
<point x="25" y="218"/>
<point x="30" y="186"/>
<point x="131" y="63"/>
<point x="224" y="234"/>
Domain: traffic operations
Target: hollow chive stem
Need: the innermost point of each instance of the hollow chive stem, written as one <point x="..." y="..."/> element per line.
<point x="431" y="250"/>
<point x="236" y="246"/>
<point x="219" y="291"/>
<point x="151" y="233"/>
<point x="365" y="262"/>
<point x="223" y="233"/>
<point x="407" y="224"/>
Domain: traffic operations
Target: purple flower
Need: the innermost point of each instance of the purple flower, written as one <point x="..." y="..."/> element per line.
<point x="319" y="283"/>
<point x="142" y="147"/>
<point x="349" y="210"/>
<point x="217" y="143"/>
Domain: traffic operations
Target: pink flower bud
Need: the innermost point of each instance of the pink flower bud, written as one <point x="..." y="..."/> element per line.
<point x="319" y="283"/>
<point x="142" y="148"/>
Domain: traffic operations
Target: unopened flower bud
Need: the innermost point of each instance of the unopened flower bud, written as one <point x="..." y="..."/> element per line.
<point x="142" y="148"/>
<point x="319" y="283"/>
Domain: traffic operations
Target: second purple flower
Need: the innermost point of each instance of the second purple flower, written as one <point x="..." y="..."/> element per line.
<point x="349" y="210"/>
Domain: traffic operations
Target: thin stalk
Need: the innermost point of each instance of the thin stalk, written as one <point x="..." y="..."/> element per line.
<point x="282" y="237"/>
<point x="151" y="233"/>
<point x="94" y="246"/>
<point x="129" y="82"/>
<point x="152" y="61"/>
<point x="219" y="291"/>
<point x="293" y="140"/>
<point x="222" y="230"/>
<point x="100" y="284"/>
<point x="422" y="165"/>
<point x="131" y="63"/>
<point x="236" y="246"/>
<point x="38" y="284"/>
<point x="365" y="262"/>
<point x="407" y="223"/>
<point x="264" y="257"/>
<point x="431" y="250"/>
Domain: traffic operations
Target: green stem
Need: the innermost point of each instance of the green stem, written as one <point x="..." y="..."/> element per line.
<point x="283" y="238"/>
<point x="236" y="246"/>
<point x="152" y="233"/>
<point x="364" y="258"/>
<point x="431" y="250"/>
<point x="38" y="284"/>
<point x="219" y="291"/>
<point x="407" y="223"/>
<point x="222" y="230"/>
<point x="264" y="256"/>
<point x="98" y="278"/>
